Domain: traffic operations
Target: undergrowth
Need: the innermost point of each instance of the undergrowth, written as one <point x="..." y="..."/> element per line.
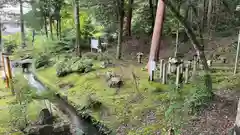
<point x="186" y="102"/>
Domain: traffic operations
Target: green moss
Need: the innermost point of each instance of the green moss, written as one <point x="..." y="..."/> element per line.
<point x="128" y="106"/>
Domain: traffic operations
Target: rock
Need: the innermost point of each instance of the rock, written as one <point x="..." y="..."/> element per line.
<point x="115" y="82"/>
<point x="109" y="75"/>
<point x="61" y="128"/>
<point x="45" y="117"/>
<point x="209" y="62"/>
<point x="65" y="85"/>
<point x="39" y="130"/>
<point x="103" y="64"/>
<point x="223" y="60"/>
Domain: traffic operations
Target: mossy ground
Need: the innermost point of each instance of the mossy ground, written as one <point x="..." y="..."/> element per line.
<point x="130" y="107"/>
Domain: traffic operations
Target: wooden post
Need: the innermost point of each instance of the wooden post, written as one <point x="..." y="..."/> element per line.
<point x="186" y="73"/>
<point x="10" y="75"/>
<point x="161" y="68"/>
<point x="177" y="77"/>
<point x="181" y="68"/>
<point x="194" y="66"/>
<point x="169" y="66"/>
<point x="4" y="71"/>
<point x="237" y="55"/>
<point x="164" y="75"/>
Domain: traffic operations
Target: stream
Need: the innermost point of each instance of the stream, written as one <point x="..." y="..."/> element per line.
<point x="79" y="125"/>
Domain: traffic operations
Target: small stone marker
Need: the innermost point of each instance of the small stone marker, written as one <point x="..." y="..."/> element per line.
<point x="177" y="77"/>
<point x="161" y="68"/>
<point x="169" y="66"/>
<point x="186" y="73"/>
<point x="209" y="62"/>
<point x="139" y="57"/>
<point x="151" y="70"/>
<point x="164" y="75"/>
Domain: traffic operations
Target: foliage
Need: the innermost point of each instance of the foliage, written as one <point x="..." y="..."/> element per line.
<point x="11" y="42"/>
<point x="42" y="60"/>
<point x="185" y="102"/>
<point x="72" y="65"/>
<point x="18" y="109"/>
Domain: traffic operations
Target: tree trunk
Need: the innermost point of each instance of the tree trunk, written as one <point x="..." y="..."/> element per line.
<point x="152" y="14"/>
<point x="51" y="26"/>
<point x="120" y="28"/>
<point x="177" y="32"/>
<point x="77" y="25"/>
<point x="209" y="16"/>
<point x="45" y="25"/>
<point x="203" y="21"/>
<point x="22" y="25"/>
<point x="1" y="43"/>
<point x="156" y="37"/>
<point x="57" y="31"/>
<point x="197" y="46"/>
<point x="129" y="17"/>
<point x="60" y="27"/>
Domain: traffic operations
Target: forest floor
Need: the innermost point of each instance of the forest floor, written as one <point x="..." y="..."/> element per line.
<point x="141" y="111"/>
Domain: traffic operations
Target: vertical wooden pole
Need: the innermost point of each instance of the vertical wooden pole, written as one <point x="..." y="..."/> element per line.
<point x="177" y="77"/>
<point x="10" y="75"/>
<point x="161" y="68"/>
<point x="169" y="66"/>
<point x="181" y="68"/>
<point x="237" y="55"/>
<point x="186" y="73"/>
<point x="164" y="74"/>
<point x="4" y="71"/>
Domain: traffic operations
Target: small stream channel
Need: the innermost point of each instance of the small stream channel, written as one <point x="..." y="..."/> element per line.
<point x="79" y="125"/>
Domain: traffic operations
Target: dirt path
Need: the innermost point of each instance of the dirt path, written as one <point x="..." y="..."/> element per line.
<point x="217" y="118"/>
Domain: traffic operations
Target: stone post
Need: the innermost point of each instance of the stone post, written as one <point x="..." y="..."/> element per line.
<point x="186" y="75"/>
<point x="177" y="77"/>
<point x="164" y="75"/>
<point x="161" y="68"/>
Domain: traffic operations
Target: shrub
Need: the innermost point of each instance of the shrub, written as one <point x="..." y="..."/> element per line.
<point x="74" y="64"/>
<point x="62" y="69"/>
<point x="90" y="55"/>
<point x="42" y="60"/>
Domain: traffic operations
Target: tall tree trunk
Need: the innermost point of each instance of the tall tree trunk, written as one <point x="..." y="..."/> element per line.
<point x="209" y="16"/>
<point x="45" y="25"/>
<point x="203" y="21"/>
<point x="22" y="25"/>
<point x="1" y="43"/>
<point x="77" y="25"/>
<point x="51" y="26"/>
<point x="57" y="31"/>
<point x="177" y="32"/>
<point x="129" y="17"/>
<point x="157" y="33"/>
<point x="120" y="28"/>
<point x="197" y="46"/>
<point x="152" y="10"/>
<point x="60" y="27"/>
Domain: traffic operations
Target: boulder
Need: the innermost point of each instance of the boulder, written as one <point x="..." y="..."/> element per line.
<point x="39" y="130"/>
<point x="45" y="117"/>
<point x="115" y="82"/>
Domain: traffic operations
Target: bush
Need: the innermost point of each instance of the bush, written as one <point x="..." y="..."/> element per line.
<point x="42" y="60"/>
<point x="90" y="55"/>
<point x="74" y="64"/>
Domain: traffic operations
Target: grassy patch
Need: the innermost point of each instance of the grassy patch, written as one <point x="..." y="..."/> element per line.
<point x="130" y="106"/>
